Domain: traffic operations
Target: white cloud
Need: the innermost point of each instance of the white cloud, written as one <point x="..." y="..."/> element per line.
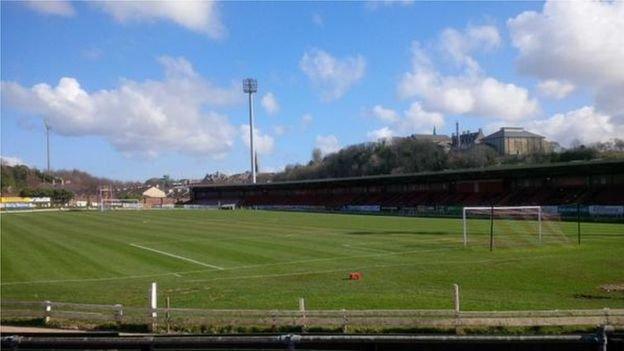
<point x="415" y="120"/>
<point x="11" y="161"/>
<point x="385" y="114"/>
<point x="327" y="144"/>
<point x="581" y="42"/>
<point x="147" y="118"/>
<point x="555" y="89"/>
<point x="51" y="7"/>
<point x="279" y="130"/>
<point x="306" y="120"/>
<point x="198" y="16"/>
<point x="585" y="125"/>
<point x="263" y="143"/>
<point x="318" y="21"/>
<point x="380" y="134"/>
<point x="469" y="93"/>
<point x="375" y="4"/>
<point x="92" y="53"/>
<point x="270" y="104"/>
<point x="458" y="45"/>
<point x="333" y="76"/>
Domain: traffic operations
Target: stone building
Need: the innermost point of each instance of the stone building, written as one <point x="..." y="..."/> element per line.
<point x="467" y="139"/>
<point x="517" y="141"/>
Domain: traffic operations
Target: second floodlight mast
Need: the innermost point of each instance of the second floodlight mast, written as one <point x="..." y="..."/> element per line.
<point x="250" y="86"/>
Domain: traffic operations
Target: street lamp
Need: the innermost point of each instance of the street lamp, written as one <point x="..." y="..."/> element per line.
<point x="250" y="86"/>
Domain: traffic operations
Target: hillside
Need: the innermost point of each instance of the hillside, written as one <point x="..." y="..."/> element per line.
<point x="412" y="155"/>
<point x="17" y="178"/>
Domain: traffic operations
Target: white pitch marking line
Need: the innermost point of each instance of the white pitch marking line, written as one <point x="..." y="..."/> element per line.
<point x="65" y="281"/>
<point x="178" y="257"/>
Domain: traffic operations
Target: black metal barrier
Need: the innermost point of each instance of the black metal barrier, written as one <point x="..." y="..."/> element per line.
<point x="603" y="339"/>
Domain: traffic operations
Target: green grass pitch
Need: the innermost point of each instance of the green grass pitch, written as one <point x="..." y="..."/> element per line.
<point x="267" y="260"/>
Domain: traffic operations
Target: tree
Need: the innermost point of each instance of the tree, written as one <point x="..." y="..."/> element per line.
<point x="580" y="153"/>
<point x="317" y="155"/>
<point x="476" y="156"/>
<point x="62" y="196"/>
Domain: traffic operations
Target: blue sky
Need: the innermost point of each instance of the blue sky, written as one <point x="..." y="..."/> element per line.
<point x="141" y="89"/>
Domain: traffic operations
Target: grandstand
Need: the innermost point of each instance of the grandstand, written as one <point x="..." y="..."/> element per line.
<point x="587" y="183"/>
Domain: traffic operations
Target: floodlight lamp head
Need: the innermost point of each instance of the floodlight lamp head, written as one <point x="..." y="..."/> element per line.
<point x="250" y="85"/>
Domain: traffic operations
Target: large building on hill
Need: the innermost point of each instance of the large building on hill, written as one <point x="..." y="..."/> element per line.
<point x="517" y="141"/>
<point x="506" y="141"/>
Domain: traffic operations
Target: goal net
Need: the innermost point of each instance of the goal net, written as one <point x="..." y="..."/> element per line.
<point x="508" y="226"/>
<point x="120" y="204"/>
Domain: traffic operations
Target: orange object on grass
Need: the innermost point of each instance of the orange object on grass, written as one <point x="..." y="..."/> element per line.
<point x="355" y="275"/>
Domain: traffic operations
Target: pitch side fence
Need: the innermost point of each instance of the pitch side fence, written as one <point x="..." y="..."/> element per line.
<point x="344" y="320"/>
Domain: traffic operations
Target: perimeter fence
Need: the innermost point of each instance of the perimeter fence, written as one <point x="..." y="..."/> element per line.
<point x="164" y="319"/>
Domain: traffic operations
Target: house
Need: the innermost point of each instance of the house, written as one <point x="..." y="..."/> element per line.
<point x="154" y="192"/>
<point x="154" y="197"/>
<point x="517" y="141"/>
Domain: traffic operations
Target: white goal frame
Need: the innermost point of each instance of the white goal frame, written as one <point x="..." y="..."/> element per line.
<point x="494" y="208"/>
<point x="121" y="202"/>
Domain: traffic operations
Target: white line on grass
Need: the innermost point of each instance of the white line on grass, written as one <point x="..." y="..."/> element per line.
<point x="251" y="266"/>
<point x="286" y="263"/>
<point x="178" y="257"/>
<point x="86" y="280"/>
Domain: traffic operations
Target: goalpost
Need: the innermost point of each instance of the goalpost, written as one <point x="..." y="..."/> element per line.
<point x="107" y="202"/>
<point x="489" y="212"/>
<point x="123" y="204"/>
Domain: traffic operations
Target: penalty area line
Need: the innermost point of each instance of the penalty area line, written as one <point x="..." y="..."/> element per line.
<point x="178" y="257"/>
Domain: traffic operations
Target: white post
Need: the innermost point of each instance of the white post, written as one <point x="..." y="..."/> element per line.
<point x="47" y="311"/>
<point x="456" y="297"/>
<point x="301" y="305"/>
<point x="539" y="223"/>
<point x="303" y="314"/>
<point x="153" y="302"/>
<point x="119" y="313"/>
<point x="101" y="201"/>
<point x="464" y="221"/>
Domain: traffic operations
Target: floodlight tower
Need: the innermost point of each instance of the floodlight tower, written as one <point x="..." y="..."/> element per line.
<point x="47" y="127"/>
<point x="250" y="86"/>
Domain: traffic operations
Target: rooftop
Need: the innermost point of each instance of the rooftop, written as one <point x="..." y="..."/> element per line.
<point x="513" y="132"/>
<point x="565" y="168"/>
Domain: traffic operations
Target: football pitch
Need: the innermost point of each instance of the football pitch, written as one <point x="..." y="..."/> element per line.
<point x="267" y="260"/>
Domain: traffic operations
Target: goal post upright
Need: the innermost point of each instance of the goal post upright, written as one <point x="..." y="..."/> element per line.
<point x="105" y="192"/>
<point x="539" y="223"/>
<point x="464" y="226"/>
